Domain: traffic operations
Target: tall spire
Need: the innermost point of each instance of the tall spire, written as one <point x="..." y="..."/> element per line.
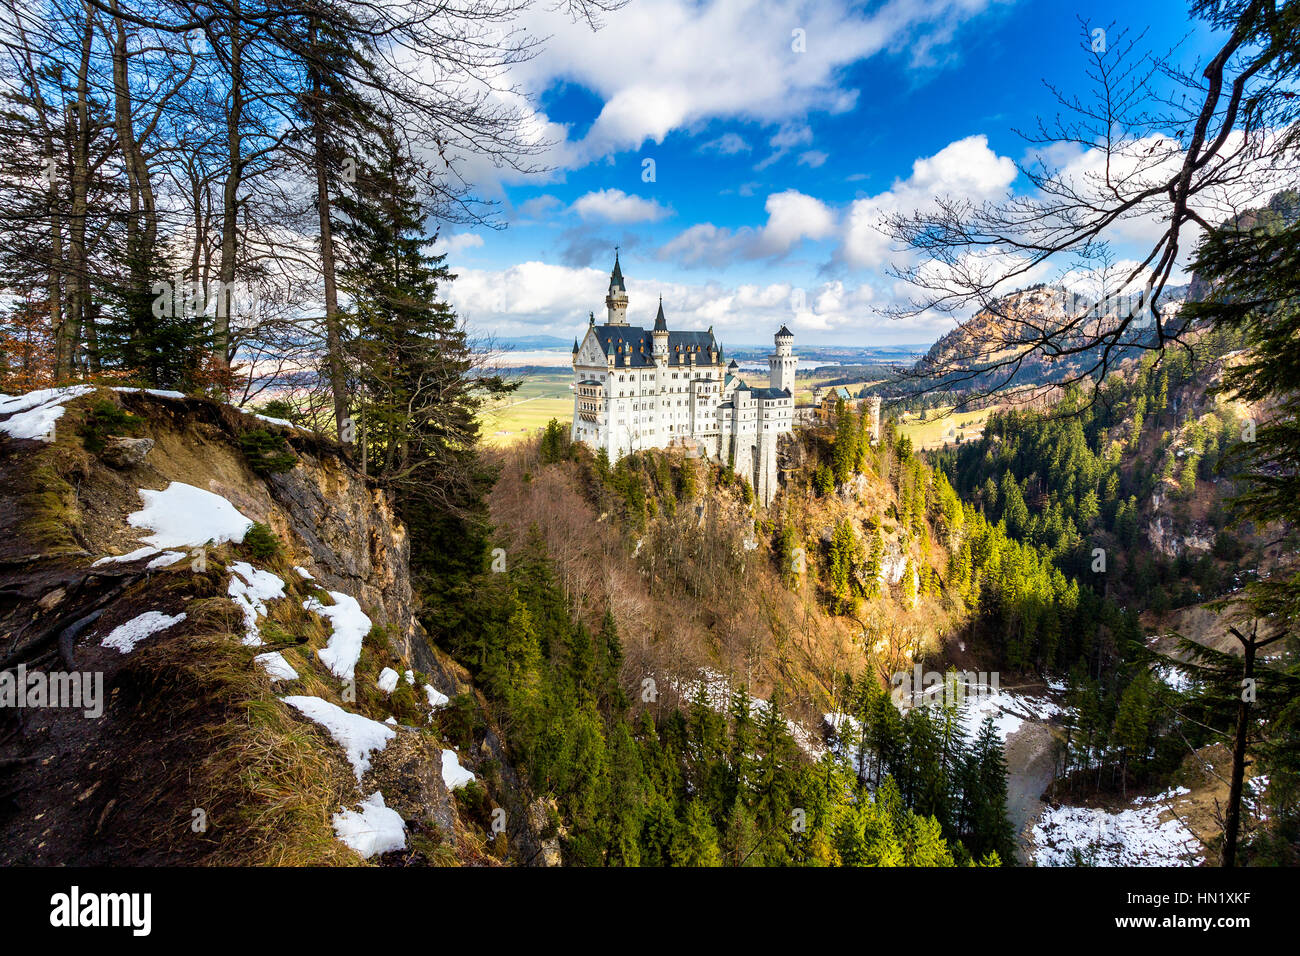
<point x="616" y="277"/>
<point x="661" y="324"/>
<point x="616" y="299"/>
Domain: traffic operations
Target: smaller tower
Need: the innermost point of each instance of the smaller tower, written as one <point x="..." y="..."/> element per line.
<point x="660" y="334"/>
<point x="616" y="300"/>
<point x="782" y="363"/>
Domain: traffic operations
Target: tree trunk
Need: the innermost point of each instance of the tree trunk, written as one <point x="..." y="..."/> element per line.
<point x="77" y="267"/>
<point x="1232" y="821"/>
<point x="230" y="195"/>
<point x="333" y="325"/>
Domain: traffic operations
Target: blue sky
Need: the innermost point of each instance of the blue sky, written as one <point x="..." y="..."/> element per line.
<point x="771" y="165"/>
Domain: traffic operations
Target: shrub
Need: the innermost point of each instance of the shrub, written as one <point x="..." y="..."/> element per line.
<point x="261" y="542"/>
<point x="278" y="408"/>
<point x="104" y="420"/>
<point x="267" y="452"/>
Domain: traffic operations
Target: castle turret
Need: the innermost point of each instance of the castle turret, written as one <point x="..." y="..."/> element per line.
<point x="616" y="300"/>
<point x="660" y="334"/>
<point x="782" y="363"/>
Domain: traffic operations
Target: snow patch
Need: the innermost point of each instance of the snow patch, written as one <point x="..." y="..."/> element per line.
<point x="251" y="588"/>
<point x="388" y="679"/>
<point x="436" y="697"/>
<point x="453" y="774"/>
<point x="126" y="636"/>
<point x="358" y="736"/>
<point x="351" y="626"/>
<point x="1131" y="837"/>
<point x="35" y="414"/>
<point x="373" y="829"/>
<point x="277" y="668"/>
<point x="156" y="392"/>
<point x="182" y="516"/>
<point x="135" y="555"/>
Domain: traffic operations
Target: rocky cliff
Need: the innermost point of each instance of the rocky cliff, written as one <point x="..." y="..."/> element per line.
<point x="266" y="693"/>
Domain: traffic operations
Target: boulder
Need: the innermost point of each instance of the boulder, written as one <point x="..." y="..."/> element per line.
<point x="127" y="452"/>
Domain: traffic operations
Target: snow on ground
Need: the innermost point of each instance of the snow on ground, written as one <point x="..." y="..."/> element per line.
<point x="277" y="668"/>
<point x="351" y="626"/>
<point x="388" y="679"/>
<point x="135" y="555"/>
<point x="35" y="414"/>
<point x="436" y="697"/>
<point x="182" y="516"/>
<point x="358" y="736"/>
<point x="156" y="392"/>
<point x="453" y="774"/>
<point x="126" y="636"/>
<point x="251" y="588"/>
<point x="277" y="421"/>
<point x="162" y="559"/>
<point x="1175" y="678"/>
<point x="717" y="693"/>
<point x="373" y="829"/>
<point x="304" y="573"/>
<point x="1132" y="837"/>
<point x="847" y="735"/>
<point x="1008" y="709"/>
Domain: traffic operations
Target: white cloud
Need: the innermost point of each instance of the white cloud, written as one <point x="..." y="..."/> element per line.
<point x="728" y="144"/>
<point x="791" y="217"/>
<point x="539" y="207"/>
<point x="536" y="297"/>
<point x="813" y="158"/>
<point x="966" y="168"/>
<point x="614" y="205"/>
<point x="454" y="244"/>
<point x="661" y="65"/>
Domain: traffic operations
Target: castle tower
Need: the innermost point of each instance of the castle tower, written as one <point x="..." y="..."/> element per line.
<point x="660" y="334"/>
<point x="616" y="300"/>
<point x="782" y="363"/>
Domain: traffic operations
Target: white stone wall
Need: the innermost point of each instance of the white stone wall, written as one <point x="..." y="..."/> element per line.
<point x="634" y="409"/>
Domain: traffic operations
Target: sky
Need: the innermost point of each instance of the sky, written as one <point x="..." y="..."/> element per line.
<point x="740" y="154"/>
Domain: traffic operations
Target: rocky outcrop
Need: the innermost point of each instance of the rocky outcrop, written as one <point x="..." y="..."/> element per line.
<point x="126" y="452"/>
<point x="73" y="568"/>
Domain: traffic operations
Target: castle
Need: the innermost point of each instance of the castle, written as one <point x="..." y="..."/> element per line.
<point x="635" y="389"/>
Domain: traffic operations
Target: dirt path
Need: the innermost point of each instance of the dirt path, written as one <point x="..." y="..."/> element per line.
<point x="1030" y="753"/>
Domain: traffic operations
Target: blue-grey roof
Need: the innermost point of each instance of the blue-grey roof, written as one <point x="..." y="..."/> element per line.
<point x="767" y="394"/>
<point x="637" y="345"/>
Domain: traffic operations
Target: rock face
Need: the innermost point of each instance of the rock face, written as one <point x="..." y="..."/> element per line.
<point x="330" y="522"/>
<point x="127" y="452"/>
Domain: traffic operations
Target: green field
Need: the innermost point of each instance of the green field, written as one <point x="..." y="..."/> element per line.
<point x="940" y="426"/>
<point x="541" y="397"/>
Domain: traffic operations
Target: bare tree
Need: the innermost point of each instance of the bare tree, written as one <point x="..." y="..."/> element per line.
<point x="1184" y="159"/>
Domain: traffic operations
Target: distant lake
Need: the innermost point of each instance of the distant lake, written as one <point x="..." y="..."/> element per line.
<point x="805" y="365"/>
<point x="563" y="358"/>
<point x="559" y="358"/>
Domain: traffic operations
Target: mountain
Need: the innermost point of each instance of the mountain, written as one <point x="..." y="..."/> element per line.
<point x="523" y="342"/>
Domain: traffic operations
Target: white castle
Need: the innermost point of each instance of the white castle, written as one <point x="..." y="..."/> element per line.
<point x="635" y="389"/>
